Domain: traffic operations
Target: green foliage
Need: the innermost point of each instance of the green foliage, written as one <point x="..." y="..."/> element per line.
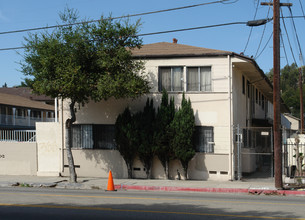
<point x="162" y="135"/>
<point x="27" y="83"/>
<point x="168" y="134"/>
<point x="85" y="61"/>
<point x="289" y="85"/>
<point x="146" y="120"/>
<point x="182" y="128"/>
<point x="127" y="138"/>
<point x="134" y="136"/>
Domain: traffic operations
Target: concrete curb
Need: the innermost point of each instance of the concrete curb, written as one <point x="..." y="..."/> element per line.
<point x="252" y="191"/>
<point x="214" y="190"/>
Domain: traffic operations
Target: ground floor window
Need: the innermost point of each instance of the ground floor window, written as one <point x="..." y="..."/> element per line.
<point x="86" y="136"/>
<point x="204" y="139"/>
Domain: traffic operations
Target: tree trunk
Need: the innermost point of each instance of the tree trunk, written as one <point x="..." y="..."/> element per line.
<point x="69" y="122"/>
<point x="129" y="170"/>
<point x="185" y="167"/>
<point x="148" y="169"/>
<point x="166" y="168"/>
<point x="147" y="173"/>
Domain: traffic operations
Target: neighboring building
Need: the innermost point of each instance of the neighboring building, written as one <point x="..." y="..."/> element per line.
<point x="227" y="90"/>
<point x="27" y="92"/>
<point x="22" y="112"/>
<point x="294" y="121"/>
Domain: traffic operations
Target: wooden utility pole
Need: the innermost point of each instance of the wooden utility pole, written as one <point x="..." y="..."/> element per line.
<point x="276" y="94"/>
<point x="276" y="97"/>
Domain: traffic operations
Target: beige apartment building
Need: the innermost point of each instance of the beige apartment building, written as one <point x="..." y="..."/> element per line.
<point x="228" y="92"/>
<point x="226" y="89"/>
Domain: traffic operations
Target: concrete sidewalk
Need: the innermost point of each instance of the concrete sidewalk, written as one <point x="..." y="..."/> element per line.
<point x="257" y="186"/>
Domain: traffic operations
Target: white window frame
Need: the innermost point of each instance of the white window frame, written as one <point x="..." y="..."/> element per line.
<point x="199" y="89"/>
<point x="171" y="78"/>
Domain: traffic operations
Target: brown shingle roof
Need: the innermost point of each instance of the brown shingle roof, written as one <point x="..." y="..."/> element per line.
<point x="26" y="93"/>
<point x="164" y="49"/>
<point x="18" y="101"/>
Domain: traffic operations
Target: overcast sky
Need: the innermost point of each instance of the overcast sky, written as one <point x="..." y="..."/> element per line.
<point x="20" y="14"/>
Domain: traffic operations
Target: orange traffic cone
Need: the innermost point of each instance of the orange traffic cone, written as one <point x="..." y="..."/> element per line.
<point x="110" y="186"/>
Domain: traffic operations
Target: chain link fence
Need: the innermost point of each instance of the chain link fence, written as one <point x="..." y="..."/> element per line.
<point x="253" y="151"/>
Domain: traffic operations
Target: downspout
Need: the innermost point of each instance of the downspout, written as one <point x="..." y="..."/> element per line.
<point x="231" y="170"/>
<point x="60" y="148"/>
<point x="62" y="137"/>
<point x="56" y="109"/>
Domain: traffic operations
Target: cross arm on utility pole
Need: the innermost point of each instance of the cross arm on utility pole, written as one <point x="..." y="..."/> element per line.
<point x="281" y="4"/>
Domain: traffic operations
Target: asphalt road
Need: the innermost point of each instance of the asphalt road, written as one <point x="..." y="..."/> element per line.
<point x="37" y="203"/>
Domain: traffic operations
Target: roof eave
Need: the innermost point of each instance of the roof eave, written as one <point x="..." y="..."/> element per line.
<point x="156" y="56"/>
<point x="253" y="62"/>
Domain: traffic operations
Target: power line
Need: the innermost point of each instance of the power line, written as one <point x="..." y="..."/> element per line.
<point x="12" y="48"/>
<point x="119" y="17"/>
<point x="284" y="48"/>
<point x="251" y="27"/>
<point x="194" y="28"/>
<point x="302" y="8"/>
<point x="160" y="32"/>
<point x="264" y="47"/>
<point x="295" y="16"/>
<point x="284" y="24"/>
<point x="261" y="40"/>
<point x="230" y="2"/>
<point x="298" y="41"/>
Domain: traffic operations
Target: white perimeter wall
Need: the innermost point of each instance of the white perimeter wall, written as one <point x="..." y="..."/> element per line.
<point x="18" y="158"/>
<point x="49" y="148"/>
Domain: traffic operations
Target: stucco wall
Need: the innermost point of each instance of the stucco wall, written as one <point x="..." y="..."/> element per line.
<point x="211" y="109"/>
<point x="242" y="105"/>
<point x="294" y="122"/>
<point x="18" y="158"/>
<point x="98" y="163"/>
<point x="49" y="148"/>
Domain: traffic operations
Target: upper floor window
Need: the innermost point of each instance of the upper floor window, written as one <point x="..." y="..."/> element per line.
<point x="199" y="79"/>
<point x="171" y="78"/>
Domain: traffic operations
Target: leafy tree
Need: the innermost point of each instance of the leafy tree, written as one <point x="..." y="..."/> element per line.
<point x="134" y="136"/>
<point x="162" y="136"/>
<point x="289" y="85"/>
<point x="27" y="83"/>
<point x="84" y="62"/>
<point x="4" y="85"/>
<point x="146" y="134"/>
<point x="289" y="77"/>
<point x="127" y="138"/>
<point x="182" y="128"/>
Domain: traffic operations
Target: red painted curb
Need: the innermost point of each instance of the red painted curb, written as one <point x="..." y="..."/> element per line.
<point x="219" y="190"/>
